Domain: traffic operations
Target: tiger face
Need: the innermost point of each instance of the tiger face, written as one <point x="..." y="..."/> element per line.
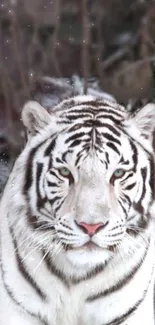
<point x="89" y="177"/>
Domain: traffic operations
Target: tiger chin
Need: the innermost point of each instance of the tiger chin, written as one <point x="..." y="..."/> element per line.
<point x="77" y="217"/>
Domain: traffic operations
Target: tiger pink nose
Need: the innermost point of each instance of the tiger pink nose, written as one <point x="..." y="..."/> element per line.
<point x="91" y="229"/>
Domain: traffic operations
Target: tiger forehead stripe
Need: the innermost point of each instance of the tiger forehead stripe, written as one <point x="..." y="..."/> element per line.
<point x="91" y="114"/>
<point x="82" y="109"/>
<point x="95" y="103"/>
<point x="92" y="105"/>
<point x="85" y="113"/>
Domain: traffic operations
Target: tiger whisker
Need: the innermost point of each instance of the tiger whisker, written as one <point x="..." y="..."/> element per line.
<point x="37" y="246"/>
<point x="30" y="242"/>
<point x="39" y="221"/>
<point x="42" y="259"/>
<point x="30" y="253"/>
<point x="141" y="245"/>
<point x="136" y="228"/>
<point x="57" y="249"/>
<point x="138" y="231"/>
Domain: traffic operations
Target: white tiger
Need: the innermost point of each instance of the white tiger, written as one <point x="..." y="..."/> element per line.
<point x="77" y="218"/>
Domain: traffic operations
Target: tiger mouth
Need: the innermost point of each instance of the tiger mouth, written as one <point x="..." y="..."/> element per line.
<point x="87" y="246"/>
<point x="91" y="246"/>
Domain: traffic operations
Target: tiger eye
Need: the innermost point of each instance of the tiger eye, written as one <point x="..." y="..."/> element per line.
<point x="117" y="174"/>
<point x="65" y="172"/>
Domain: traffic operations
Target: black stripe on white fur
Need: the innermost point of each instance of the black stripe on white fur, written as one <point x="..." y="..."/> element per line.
<point x="65" y="275"/>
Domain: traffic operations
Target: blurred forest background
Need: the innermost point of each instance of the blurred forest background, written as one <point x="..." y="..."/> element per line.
<point x="112" y="40"/>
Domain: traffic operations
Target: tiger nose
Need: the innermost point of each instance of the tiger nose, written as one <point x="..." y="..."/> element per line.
<point x="91" y="228"/>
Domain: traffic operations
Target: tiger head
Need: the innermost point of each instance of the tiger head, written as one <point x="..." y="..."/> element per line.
<point x="88" y="179"/>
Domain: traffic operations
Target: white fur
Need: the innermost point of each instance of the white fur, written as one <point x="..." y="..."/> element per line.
<point x="91" y="200"/>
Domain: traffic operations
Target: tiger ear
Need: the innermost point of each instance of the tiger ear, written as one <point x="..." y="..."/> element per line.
<point x="35" y="117"/>
<point x="144" y="120"/>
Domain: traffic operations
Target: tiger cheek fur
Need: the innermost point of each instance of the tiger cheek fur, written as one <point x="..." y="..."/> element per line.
<point x="77" y="218"/>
